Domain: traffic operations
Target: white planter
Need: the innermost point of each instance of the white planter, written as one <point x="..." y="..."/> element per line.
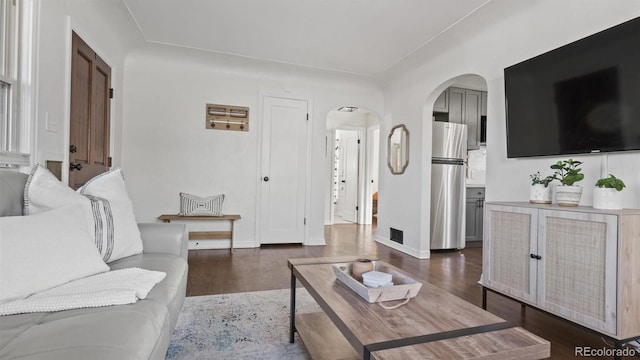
<point x="610" y="199"/>
<point x="540" y="194"/>
<point x="568" y="195"/>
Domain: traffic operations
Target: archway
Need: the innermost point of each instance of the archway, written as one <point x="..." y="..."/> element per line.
<point x="352" y="163"/>
<point x="457" y="181"/>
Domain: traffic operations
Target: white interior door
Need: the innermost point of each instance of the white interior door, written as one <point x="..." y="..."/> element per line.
<point x="284" y="158"/>
<point x="349" y="146"/>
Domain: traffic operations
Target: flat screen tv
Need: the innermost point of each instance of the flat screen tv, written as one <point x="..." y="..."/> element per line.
<point x="581" y="98"/>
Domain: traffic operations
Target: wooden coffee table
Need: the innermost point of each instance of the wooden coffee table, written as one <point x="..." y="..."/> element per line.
<point x="434" y="323"/>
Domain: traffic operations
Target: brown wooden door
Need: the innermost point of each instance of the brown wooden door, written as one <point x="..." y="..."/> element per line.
<point x="90" y="108"/>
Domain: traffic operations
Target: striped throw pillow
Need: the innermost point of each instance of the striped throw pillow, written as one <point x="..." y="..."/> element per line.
<point x="191" y="205"/>
<point x="115" y="230"/>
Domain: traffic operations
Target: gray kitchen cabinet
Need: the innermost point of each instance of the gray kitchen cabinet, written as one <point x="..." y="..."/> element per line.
<point x="483" y="103"/>
<point x="464" y="108"/>
<point x="442" y="102"/>
<point x="474" y="216"/>
<point x="456" y="105"/>
<point x="472" y="101"/>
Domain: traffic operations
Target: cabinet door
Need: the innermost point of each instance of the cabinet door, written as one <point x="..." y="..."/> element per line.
<point x="442" y="102"/>
<point x="471" y="229"/>
<point x="510" y="237"/>
<point x="472" y="118"/>
<point x="480" y="218"/>
<point x="577" y="272"/>
<point x="456" y="106"/>
<point x="474" y="208"/>
<point x="483" y="103"/>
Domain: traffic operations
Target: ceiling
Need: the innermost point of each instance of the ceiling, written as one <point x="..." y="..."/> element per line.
<point x="364" y="37"/>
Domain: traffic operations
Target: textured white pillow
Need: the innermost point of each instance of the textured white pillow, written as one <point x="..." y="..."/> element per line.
<point x="112" y="222"/>
<point x="45" y="250"/>
<point x="107" y="191"/>
<point x="44" y="192"/>
<point x="191" y="205"/>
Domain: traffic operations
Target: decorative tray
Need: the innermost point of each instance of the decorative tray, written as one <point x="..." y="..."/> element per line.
<point x="404" y="286"/>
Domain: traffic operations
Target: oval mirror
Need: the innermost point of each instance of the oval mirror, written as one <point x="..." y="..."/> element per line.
<point x="398" y="149"/>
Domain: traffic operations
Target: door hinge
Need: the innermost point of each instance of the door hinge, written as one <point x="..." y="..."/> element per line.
<point x="109" y="161"/>
<point x="357" y="208"/>
<point x="111" y="93"/>
<point x="305" y="221"/>
<point x="307" y="116"/>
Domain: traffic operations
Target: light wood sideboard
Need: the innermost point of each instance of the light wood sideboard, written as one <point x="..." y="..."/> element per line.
<point x="576" y="263"/>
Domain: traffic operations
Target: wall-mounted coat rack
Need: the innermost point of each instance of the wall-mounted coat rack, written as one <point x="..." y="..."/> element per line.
<point x="227" y="117"/>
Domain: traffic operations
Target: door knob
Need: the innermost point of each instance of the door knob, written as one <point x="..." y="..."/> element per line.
<point x="73" y="149"/>
<point x="266" y="178"/>
<point x="73" y="166"/>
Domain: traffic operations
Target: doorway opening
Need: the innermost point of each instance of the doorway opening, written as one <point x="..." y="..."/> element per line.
<point x="457" y="187"/>
<point x="352" y="163"/>
<point x="89" y="128"/>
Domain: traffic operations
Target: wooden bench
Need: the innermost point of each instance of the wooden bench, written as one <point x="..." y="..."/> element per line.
<point x="206" y="235"/>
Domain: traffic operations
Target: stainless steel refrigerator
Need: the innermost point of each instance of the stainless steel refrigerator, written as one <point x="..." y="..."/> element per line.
<point x="448" y="185"/>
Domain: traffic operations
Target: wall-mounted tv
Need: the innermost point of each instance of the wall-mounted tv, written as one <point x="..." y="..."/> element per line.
<point x="581" y="98"/>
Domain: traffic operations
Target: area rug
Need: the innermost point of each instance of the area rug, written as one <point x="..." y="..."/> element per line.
<point x="250" y="325"/>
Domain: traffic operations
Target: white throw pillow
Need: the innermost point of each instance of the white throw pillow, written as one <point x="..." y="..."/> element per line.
<point x="113" y="224"/>
<point x="44" y="192"/>
<point x="45" y="250"/>
<point x="108" y="193"/>
<point x="191" y="205"/>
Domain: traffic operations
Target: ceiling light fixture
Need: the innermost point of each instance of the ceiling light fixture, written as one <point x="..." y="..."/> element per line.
<point x="347" y="108"/>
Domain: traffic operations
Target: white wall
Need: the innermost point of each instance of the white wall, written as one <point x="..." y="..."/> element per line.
<point x="107" y="27"/>
<point x="500" y="34"/>
<point x="167" y="149"/>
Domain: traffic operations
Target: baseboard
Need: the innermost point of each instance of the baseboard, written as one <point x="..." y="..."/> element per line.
<point x="315" y="241"/>
<point x="425" y="254"/>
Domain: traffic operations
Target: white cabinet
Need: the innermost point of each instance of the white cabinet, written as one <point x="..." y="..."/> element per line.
<point x="576" y="263"/>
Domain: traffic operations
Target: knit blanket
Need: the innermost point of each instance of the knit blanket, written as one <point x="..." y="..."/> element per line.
<point x="116" y="287"/>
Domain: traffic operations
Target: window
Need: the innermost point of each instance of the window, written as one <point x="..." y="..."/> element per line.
<point x="12" y="135"/>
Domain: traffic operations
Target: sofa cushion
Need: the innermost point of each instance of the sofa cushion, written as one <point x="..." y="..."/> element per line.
<point x="114" y="332"/>
<point x="45" y="250"/>
<point x="169" y="291"/>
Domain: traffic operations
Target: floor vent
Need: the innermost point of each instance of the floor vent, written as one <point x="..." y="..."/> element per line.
<point x="396" y="235"/>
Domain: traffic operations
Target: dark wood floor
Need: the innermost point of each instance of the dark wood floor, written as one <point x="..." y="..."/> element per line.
<point x="265" y="268"/>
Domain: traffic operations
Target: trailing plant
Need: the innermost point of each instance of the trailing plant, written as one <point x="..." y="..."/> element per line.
<point x="611" y="182"/>
<point x="568" y="171"/>
<point x="536" y="179"/>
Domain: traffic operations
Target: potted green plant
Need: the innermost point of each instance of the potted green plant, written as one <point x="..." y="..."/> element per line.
<point x="540" y="191"/>
<point x="568" y="172"/>
<point x="608" y="193"/>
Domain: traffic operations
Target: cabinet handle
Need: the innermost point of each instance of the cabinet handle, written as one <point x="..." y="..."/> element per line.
<point x="535" y="256"/>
